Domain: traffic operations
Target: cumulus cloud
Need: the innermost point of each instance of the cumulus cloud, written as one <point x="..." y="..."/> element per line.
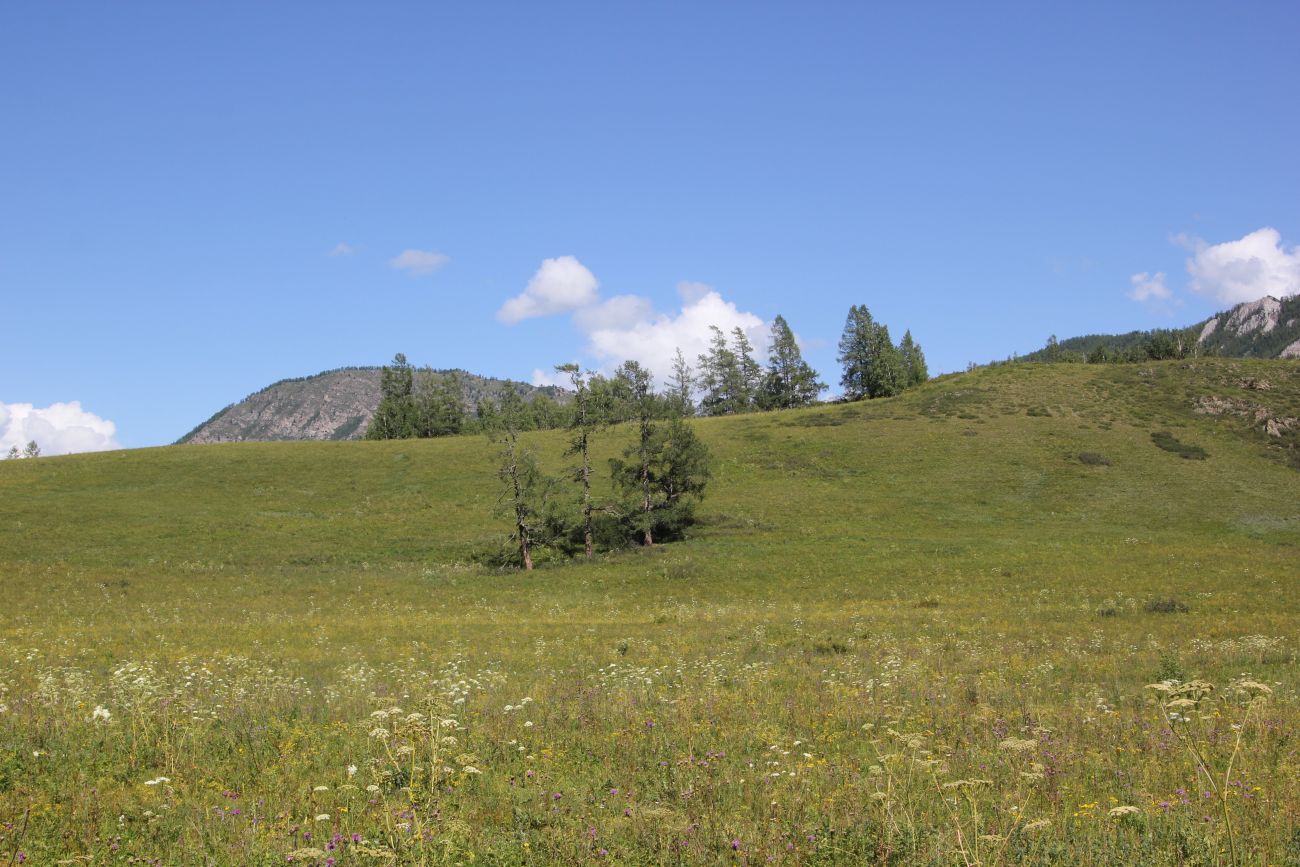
<point x="59" y="429"/>
<point x="419" y="261"/>
<point x="627" y="327"/>
<point x="341" y="249"/>
<point x="654" y="338"/>
<point x="1149" y="288"/>
<point x="549" y="377"/>
<point x="1243" y="270"/>
<point x="560" y="285"/>
<point x="621" y="311"/>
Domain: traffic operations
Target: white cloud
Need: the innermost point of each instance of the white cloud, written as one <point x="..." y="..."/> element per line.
<point x="549" y="377"/>
<point x="560" y="285"/>
<point x="342" y="249"/>
<point x="419" y="261"/>
<point x="59" y="429"/>
<point x="654" y="339"/>
<point x="1243" y="270"/>
<point x="1149" y="288"/>
<point x="621" y="311"/>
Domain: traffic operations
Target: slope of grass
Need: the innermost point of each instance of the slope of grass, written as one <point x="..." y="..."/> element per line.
<point x="908" y="631"/>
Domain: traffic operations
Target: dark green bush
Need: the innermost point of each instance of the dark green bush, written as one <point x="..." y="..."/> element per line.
<point x="1167" y="441"/>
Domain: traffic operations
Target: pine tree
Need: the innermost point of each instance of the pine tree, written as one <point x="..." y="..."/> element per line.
<point x="662" y="476"/>
<point x="885" y="376"/>
<point x="440" y="404"/>
<point x="588" y="416"/>
<point x="525" y="490"/>
<point x="396" y="416"/>
<point x="749" y="373"/>
<point x="635" y="381"/>
<point x="855" y="352"/>
<point x="914" y="370"/>
<point x="720" y="377"/>
<point x="682" y="385"/>
<point x="790" y="381"/>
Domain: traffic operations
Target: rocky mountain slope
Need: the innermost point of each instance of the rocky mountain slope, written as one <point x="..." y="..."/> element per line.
<point x="334" y="405"/>
<point x="1267" y="328"/>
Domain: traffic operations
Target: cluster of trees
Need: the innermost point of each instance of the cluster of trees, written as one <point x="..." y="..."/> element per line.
<point x="728" y="380"/>
<point x="417" y="404"/>
<point x="656" y="482"/>
<point x="873" y="365"/>
<point x="1138" y="346"/>
<point x="731" y="380"/>
<point x="31" y="450"/>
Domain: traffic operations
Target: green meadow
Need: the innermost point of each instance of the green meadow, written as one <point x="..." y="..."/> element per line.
<point x="920" y="630"/>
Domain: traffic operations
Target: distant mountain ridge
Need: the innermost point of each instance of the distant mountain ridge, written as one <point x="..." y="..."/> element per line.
<point x="1266" y="328"/>
<point x="333" y="405"/>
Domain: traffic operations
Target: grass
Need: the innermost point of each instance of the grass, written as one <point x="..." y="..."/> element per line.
<point x="911" y="631"/>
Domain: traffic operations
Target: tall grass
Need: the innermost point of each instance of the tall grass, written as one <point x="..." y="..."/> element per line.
<point x="882" y="645"/>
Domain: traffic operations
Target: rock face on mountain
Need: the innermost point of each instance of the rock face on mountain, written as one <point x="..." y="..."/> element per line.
<point x="1267" y="328"/>
<point x="334" y="405"/>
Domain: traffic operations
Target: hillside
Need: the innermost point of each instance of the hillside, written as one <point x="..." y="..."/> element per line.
<point x="334" y="405"/>
<point x="1266" y="328"/>
<point x="895" y="621"/>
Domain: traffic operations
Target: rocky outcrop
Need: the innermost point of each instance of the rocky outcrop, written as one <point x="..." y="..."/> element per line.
<point x="1267" y="328"/>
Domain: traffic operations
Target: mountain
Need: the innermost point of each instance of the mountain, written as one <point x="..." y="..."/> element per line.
<point x="334" y="405"/>
<point x="1267" y="328"/>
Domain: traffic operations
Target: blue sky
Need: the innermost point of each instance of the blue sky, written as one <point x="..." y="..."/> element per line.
<point x="174" y="178"/>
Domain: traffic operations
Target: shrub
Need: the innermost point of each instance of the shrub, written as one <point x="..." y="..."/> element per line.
<point x="1094" y="459"/>
<point x="1167" y="441"/>
<point x="1166" y="606"/>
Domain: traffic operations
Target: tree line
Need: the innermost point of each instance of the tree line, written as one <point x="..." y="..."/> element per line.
<point x="1159" y="344"/>
<point x="31" y="450"/>
<point x="727" y="379"/>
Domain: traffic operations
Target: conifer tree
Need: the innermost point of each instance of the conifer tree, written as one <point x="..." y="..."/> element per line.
<point x="661" y="476"/>
<point x="635" y="382"/>
<point x="525" y="489"/>
<point x="885" y="376"/>
<point x="720" y="377"/>
<point x="749" y="378"/>
<point x="440" y="404"/>
<point x="682" y="385"/>
<point x="913" y="359"/>
<point x="790" y="381"/>
<point x="855" y="352"/>
<point x="588" y="416"/>
<point x="396" y="416"/>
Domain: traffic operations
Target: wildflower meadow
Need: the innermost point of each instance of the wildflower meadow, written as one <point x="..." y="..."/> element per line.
<point x="914" y="631"/>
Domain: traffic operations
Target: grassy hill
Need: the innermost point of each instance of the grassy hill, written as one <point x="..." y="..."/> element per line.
<point x="914" y="630"/>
